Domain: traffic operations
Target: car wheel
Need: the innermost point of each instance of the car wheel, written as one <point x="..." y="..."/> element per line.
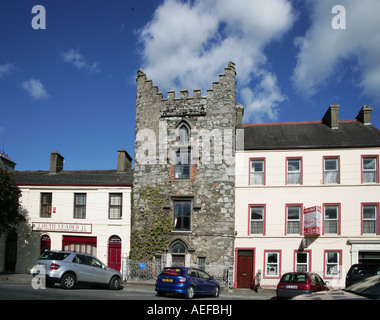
<point x="68" y="281"/>
<point x="216" y="292"/>
<point x="190" y="292"/>
<point x="115" y="283"/>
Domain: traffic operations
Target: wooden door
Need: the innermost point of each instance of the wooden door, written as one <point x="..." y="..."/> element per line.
<point x="11" y="252"/>
<point x="114" y="253"/>
<point x="245" y="268"/>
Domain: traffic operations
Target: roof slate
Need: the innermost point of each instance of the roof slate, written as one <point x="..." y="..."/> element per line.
<point x="75" y="178"/>
<point x="310" y="135"/>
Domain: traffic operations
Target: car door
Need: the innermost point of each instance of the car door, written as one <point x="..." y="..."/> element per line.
<point x="322" y="284"/>
<point x="196" y="281"/>
<point x="81" y="268"/>
<point x="98" y="273"/>
<point x="205" y="282"/>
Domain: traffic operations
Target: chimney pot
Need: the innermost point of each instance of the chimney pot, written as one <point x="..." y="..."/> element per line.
<point x="56" y="162"/>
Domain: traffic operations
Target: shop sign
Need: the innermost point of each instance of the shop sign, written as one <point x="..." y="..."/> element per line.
<point x="312" y="221"/>
<point x="62" y="227"/>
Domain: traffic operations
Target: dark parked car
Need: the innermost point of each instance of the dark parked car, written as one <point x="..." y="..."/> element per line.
<point x="296" y="283"/>
<point x="359" y="272"/>
<point x="186" y="281"/>
<point x="368" y="289"/>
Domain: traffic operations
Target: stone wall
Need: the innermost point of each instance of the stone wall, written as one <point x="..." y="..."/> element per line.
<point x="211" y="121"/>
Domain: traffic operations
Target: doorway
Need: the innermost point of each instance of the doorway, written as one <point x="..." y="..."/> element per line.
<point x="178" y="251"/>
<point x="45" y="243"/>
<point x="244" y="268"/>
<point x="114" y="253"/>
<point x="11" y="252"/>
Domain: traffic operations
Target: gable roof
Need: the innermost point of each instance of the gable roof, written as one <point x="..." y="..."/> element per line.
<point x="74" y="178"/>
<point x="310" y="135"/>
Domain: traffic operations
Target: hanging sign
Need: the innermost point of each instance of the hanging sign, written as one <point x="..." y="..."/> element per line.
<point x="312" y="221"/>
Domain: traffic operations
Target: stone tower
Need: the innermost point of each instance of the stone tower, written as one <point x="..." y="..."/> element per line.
<point x="184" y="181"/>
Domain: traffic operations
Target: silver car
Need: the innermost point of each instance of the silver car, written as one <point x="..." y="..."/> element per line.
<point x="68" y="268"/>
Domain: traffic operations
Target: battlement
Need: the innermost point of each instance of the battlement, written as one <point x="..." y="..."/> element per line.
<point x="185" y="105"/>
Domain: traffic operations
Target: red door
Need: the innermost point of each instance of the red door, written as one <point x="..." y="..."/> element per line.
<point x="244" y="268"/>
<point x="114" y="253"/>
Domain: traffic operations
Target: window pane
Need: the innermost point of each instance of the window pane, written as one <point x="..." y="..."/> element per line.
<point x="294" y="165"/>
<point x="331" y="164"/>
<point x="369" y="212"/>
<point x="257" y="213"/>
<point x="183" y="135"/>
<point x="257" y="166"/>
<point x="369" y="163"/>
<point x="293" y="213"/>
<point x="182" y="215"/>
<point x="80" y="199"/>
<point x="369" y="170"/>
<point x="331" y="212"/>
<point x="115" y="199"/>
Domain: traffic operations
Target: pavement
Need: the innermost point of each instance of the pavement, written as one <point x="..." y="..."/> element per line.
<point x="261" y="294"/>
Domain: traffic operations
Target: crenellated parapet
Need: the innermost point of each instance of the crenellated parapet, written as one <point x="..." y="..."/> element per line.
<point x="185" y="105"/>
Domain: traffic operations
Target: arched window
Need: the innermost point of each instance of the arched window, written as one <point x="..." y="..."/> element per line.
<point x="183" y="135"/>
<point x="45" y="243"/>
<point x="178" y="251"/>
<point x="178" y="248"/>
<point x="182" y="153"/>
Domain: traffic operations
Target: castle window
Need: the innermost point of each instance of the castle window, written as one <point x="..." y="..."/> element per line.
<point x="182" y="215"/>
<point x="182" y="154"/>
<point x="182" y="164"/>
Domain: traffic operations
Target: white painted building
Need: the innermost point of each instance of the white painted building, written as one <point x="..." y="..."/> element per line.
<point x="287" y="167"/>
<point x="86" y="211"/>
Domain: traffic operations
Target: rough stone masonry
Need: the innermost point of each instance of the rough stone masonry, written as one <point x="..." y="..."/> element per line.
<point x="199" y="195"/>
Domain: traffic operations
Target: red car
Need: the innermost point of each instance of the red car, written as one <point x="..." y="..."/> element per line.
<point x="295" y="283"/>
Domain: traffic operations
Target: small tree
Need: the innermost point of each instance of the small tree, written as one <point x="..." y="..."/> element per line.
<point x="9" y="203"/>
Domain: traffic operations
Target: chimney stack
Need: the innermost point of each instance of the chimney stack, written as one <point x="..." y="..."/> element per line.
<point x="331" y="117"/>
<point x="239" y="116"/>
<point x="364" y="115"/>
<point x="56" y="162"/>
<point x="124" y="161"/>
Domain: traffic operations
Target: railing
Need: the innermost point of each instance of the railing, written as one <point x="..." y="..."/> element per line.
<point x="147" y="271"/>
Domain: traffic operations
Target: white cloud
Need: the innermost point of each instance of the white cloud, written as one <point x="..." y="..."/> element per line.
<point x="187" y="44"/>
<point x="323" y="49"/>
<point x="35" y="88"/>
<point x="6" y="69"/>
<point x="79" y="61"/>
<point x="262" y="102"/>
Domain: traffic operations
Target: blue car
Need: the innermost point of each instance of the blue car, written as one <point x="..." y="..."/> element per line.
<point x="186" y="281"/>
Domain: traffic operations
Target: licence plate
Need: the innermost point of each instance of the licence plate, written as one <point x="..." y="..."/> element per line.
<point x="167" y="280"/>
<point x="291" y="287"/>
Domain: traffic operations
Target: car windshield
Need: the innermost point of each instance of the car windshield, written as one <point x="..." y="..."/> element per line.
<point x="51" y="255"/>
<point x="172" y="272"/>
<point x="368" y="288"/>
<point x="294" y="277"/>
<point x="365" y="271"/>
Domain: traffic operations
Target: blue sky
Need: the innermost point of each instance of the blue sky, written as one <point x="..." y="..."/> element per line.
<point x="71" y="87"/>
